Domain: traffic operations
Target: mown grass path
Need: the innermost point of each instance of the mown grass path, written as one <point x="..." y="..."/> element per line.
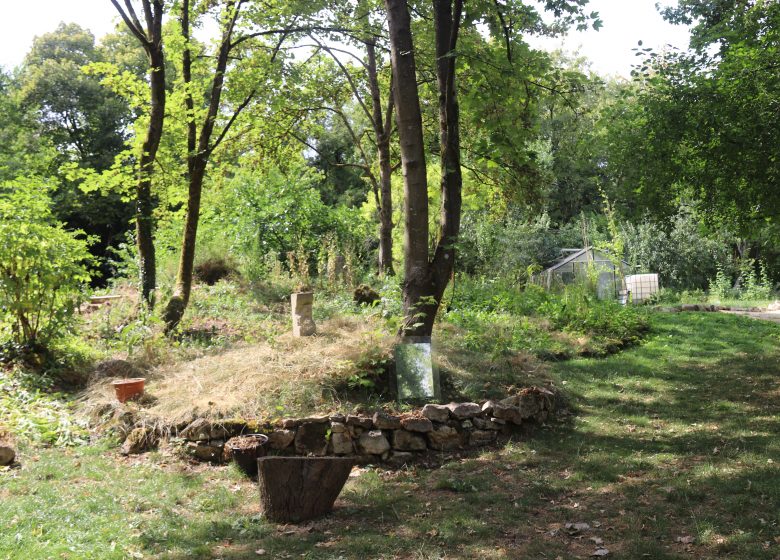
<point x="672" y="452"/>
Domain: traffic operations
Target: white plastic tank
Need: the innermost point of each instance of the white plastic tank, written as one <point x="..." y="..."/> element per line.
<point x="641" y="286"/>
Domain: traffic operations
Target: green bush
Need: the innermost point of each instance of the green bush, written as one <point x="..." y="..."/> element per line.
<point x="496" y="315"/>
<point x="512" y="245"/>
<point x="43" y="267"/>
<point x="757" y="285"/>
<point x="682" y="252"/>
<point x="720" y="286"/>
<point x="279" y="212"/>
<point x="36" y="414"/>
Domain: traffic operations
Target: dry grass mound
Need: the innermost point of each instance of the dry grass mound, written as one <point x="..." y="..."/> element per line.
<point x="283" y="376"/>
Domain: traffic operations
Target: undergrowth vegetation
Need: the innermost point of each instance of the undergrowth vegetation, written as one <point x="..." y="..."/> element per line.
<point x="235" y="343"/>
<point x="35" y="413"/>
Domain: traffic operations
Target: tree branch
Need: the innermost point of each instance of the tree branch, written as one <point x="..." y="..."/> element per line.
<point x="232" y="120"/>
<point x="350" y="81"/>
<point x="290" y="30"/>
<point x="138" y="33"/>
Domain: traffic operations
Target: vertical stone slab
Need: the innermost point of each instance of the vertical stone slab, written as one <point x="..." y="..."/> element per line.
<point x="303" y="323"/>
<point x="416" y="376"/>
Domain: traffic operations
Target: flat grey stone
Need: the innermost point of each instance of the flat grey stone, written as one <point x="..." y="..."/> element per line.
<point x="417" y="424"/>
<point x="384" y="421"/>
<point x="408" y="441"/>
<point x="364" y="422"/>
<point x="436" y="412"/>
<point x="464" y="411"/>
<point x="341" y="443"/>
<point x="373" y="442"/>
<point x="281" y="439"/>
<point x="478" y="438"/>
<point x="444" y="438"/>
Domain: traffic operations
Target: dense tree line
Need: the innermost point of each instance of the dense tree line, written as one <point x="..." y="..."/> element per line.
<point x="301" y="121"/>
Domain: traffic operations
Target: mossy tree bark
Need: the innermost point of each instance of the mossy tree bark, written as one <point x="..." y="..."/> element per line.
<point x="151" y="39"/>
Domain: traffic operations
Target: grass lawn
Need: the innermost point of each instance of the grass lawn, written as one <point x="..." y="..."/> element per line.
<point x="672" y="451"/>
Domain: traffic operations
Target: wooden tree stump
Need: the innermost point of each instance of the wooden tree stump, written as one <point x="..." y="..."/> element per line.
<point x="295" y="489"/>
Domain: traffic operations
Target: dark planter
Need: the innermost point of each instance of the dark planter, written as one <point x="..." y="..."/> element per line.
<point x="246" y="450"/>
<point x="295" y="489"/>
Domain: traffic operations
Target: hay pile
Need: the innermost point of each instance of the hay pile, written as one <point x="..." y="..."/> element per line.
<point x="284" y="376"/>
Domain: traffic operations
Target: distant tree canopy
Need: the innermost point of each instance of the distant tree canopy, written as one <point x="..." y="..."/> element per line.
<point x="386" y="126"/>
<point x="83" y="123"/>
<point x="703" y="126"/>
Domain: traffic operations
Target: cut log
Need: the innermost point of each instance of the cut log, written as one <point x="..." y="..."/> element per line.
<point x="295" y="489"/>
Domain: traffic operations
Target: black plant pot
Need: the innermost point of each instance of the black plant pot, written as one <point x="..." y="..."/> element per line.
<point x="246" y="456"/>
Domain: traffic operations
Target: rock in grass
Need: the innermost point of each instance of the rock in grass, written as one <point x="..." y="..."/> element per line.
<point x="138" y="441"/>
<point x="281" y="439"/>
<point x="444" y="438"/>
<point x="464" y="411"/>
<point x="385" y="421"/>
<point x="360" y="421"/>
<point x="341" y="442"/>
<point x="417" y="424"/>
<point x="486" y="424"/>
<point x="205" y="451"/>
<point x="407" y="441"/>
<point x="203" y="430"/>
<point x="478" y="438"/>
<point x="7" y="453"/>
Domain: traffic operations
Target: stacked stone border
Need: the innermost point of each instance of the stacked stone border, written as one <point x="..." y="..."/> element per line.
<point x="376" y="438"/>
<point x="711" y="308"/>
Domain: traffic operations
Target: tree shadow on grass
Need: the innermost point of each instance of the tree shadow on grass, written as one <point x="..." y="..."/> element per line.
<point x="673" y="453"/>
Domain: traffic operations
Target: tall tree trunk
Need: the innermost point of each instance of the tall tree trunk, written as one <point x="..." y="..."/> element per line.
<point x="417" y="282"/>
<point x="199" y="149"/>
<point x="382" y="132"/>
<point x="152" y="42"/>
<point x="446" y="17"/>
<point x="144" y="205"/>
<point x="386" y="209"/>
<point x="425" y="279"/>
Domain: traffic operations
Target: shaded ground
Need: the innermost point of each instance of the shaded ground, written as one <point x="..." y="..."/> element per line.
<point x="672" y="453"/>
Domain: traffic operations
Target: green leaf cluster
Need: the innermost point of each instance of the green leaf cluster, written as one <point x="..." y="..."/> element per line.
<point x="43" y="267"/>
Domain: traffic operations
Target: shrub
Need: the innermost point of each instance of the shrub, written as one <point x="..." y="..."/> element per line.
<point x="213" y="269"/>
<point x="720" y="286"/>
<point x="279" y="212"/>
<point x="508" y="247"/>
<point x="43" y="267"/>
<point x="683" y="254"/>
<point x="757" y="285"/>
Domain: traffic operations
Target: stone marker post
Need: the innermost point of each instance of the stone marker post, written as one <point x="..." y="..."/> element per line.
<point x="303" y="323"/>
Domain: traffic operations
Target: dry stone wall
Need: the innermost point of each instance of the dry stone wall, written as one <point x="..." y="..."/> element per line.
<point x="381" y="437"/>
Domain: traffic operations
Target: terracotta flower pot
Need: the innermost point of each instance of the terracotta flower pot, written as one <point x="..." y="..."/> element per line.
<point x="246" y="450"/>
<point x="127" y="389"/>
